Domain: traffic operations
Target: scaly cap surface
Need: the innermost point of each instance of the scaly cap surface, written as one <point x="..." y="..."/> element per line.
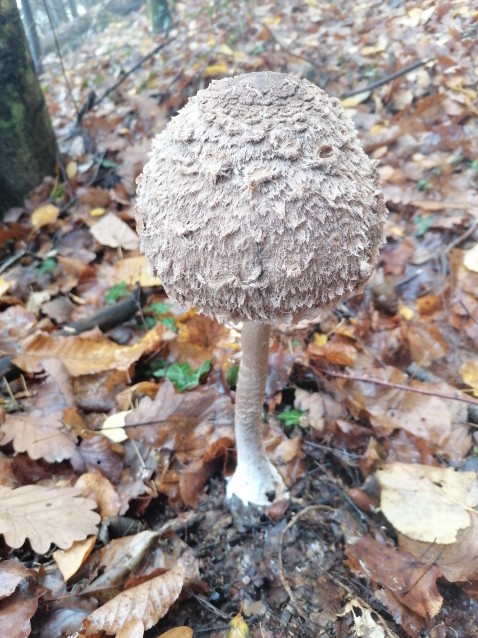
<point x="258" y="202"/>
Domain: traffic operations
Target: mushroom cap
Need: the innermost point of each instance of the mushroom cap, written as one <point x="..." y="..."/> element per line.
<point x="258" y="202"/>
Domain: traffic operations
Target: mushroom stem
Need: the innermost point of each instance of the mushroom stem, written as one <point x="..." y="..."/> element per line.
<point x="255" y="480"/>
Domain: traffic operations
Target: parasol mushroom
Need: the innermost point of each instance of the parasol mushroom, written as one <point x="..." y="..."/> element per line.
<point x="259" y="205"/>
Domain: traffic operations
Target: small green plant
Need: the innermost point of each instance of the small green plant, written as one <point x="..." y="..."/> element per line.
<point x="422" y="224"/>
<point x="474" y="165"/>
<point x="48" y="265"/>
<point x="423" y="185"/>
<point x="116" y="292"/>
<point x="290" y="418"/>
<point x="184" y="377"/>
<point x="231" y="376"/>
<point x="160" y="310"/>
<point x="58" y="192"/>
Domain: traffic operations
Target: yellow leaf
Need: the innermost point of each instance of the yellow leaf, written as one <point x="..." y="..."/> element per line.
<point x="225" y="50"/>
<point x="469" y="374"/>
<point x="178" y="632"/>
<point x="238" y="628"/>
<point x="470" y="260"/>
<point x="406" y="312"/>
<point x="396" y="231"/>
<point x="135" y="270"/>
<point x="71" y="169"/>
<point x="70" y="560"/>
<point x="355" y="100"/>
<point x="320" y="339"/>
<point x="272" y="21"/>
<point x="43" y="215"/>
<point x="4" y="286"/>
<point x="113" y="428"/>
<point x="221" y="68"/>
<point x="97" y="212"/>
<point x="211" y="41"/>
<point x="428" y="504"/>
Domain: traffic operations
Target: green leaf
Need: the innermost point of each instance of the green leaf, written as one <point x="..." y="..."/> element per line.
<point x="159" y="308"/>
<point x="116" y="292"/>
<point x="423" y="185"/>
<point x="150" y="322"/>
<point x="290" y="418"/>
<point x="423" y="224"/>
<point x="184" y="377"/>
<point x="169" y="323"/>
<point x="48" y="265"/>
<point x="231" y="376"/>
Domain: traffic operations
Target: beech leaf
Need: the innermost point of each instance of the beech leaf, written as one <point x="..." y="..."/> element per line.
<point x="45" y="515"/>
<point x="114" y="232"/>
<point x="428" y="504"/>
<point x="148" y="602"/>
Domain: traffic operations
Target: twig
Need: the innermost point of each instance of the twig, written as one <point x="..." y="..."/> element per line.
<point x="388" y="78"/>
<point x="299" y="56"/>
<point x="58" y="51"/>
<point x="396" y="386"/>
<point x="459" y="240"/>
<point x="106" y="318"/>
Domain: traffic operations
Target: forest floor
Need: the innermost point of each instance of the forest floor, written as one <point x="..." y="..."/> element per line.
<point x="371" y="411"/>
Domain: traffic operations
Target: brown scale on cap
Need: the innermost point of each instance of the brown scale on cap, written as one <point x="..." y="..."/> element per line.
<point x="258" y="202"/>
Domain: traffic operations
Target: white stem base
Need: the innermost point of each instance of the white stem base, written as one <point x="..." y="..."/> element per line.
<point x="255" y="480"/>
<point x="258" y="485"/>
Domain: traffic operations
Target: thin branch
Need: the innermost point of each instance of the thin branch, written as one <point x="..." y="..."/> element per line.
<point x="388" y="78"/>
<point x="299" y="56"/>
<point x="396" y="386"/>
<point x="58" y="51"/>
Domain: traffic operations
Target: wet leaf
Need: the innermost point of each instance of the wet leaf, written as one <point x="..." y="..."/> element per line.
<point x="19" y="593"/>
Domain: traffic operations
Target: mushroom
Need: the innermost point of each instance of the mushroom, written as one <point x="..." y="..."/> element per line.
<point x="258" y="204"/>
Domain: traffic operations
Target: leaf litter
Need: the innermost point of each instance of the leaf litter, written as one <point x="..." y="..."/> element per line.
<point x="397" y="467"/>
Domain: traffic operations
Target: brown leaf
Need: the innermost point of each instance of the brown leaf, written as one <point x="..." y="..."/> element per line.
<point x="131" y="629"/>
<point x="19" y="594"/>
<point x="41" y="431"/>
<point x="45" y="515"/>
<point x="96" y="486"/>
<point x="97" y="453"/>
<point x="457" y="561"/>
<point x="85" y="355"/>
<point x="411" y="583"/>
<point x="147" y="602"/>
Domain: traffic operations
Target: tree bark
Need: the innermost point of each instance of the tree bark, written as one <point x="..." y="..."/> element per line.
<point x="32" y="35"/>
<point x="27" y="142"/>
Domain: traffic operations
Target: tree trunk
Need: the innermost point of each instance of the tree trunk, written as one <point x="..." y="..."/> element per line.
<point x="32" y="35"/>
<point x="27" y="143"/>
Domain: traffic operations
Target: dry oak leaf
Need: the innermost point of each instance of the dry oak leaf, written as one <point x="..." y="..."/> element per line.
<point x="428" y="504"/>
<point x="45" y="515"/>
<point x="86" y="356"/>
<point x="114" y="232"/>
<point x="18" y="599"/>
<point x="96" y="486"/>
<point x="147" y="602"/>
<point x="40" y="431"/>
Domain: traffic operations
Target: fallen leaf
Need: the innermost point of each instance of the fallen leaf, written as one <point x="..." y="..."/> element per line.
<point x="19" y="593"/>
<point x="178" y="632"/>
<point x="411" y="583"/>
<point x="425" y="503"/>
<point x="364" y="624"/>
<point x="86" y="356"/>
<point x="70" y="560"/>
<point x="114" y="232"/>
<point x="469" y="374"/>
<point x="113" y="429"/>
<point x="147" y="602"/>
<point x="40" y="430"/>
<point x="470" y="259"/>
<point x="45" y="515"/>
<point x="135" y="270"/>
<point x="43" y="215"/>
<point x="238" y="627"/>
<point x="131" y="629"/>
<point x="96" y="486"/>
